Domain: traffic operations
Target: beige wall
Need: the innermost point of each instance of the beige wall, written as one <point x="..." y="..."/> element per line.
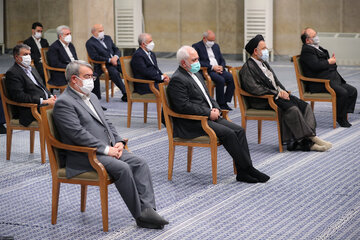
<point x="173" y="23"/>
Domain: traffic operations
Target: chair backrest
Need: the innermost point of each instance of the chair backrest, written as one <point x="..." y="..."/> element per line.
<point x="127" y="72"/>
<point x="299" y="74"/>
<point x="243" y="100"/>
<point x="51" y="134"/>
<point x="45" y="62"/>
<point x="166" y="109"/>
<point x="4" y="96"/>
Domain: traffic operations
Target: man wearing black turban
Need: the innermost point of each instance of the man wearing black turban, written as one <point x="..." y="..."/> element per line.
<point x="298" y="124"/>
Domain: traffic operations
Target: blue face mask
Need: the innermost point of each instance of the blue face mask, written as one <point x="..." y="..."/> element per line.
<point x="195" y="67"/>
<point x="265" y="55"/>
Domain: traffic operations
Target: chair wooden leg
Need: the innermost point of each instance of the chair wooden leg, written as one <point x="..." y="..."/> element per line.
<point x="107" y="89"/>
<point x="55" y="200"/>
<point x="334" y="113"/>
<point x="243" y="122"/>
<point x="158" y="108"/>
<point x="9" y="132"/>
<point x="312" y="103"/>
<point x="234" y="100"/>
<point x="171" y="159"/>
<point x="104" y="206"/>
<point x="129" y="113"/>
<point x="214" y="162"/>
<point x="189" y="158"/>
<point x="259" y="131"/>
<point x="32" y="140"/>
<point x="279" y="137"/>
<point x="145" y="111"/>
<point x="42" y="145"/>
<point x="112" y="89"/>
<point x="83" y="197"/>
<point x="235" y="171"/>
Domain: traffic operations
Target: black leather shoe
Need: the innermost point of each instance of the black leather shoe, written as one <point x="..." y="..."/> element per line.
<point x="2" y="129"/>
<point x="262" y="177"/>
<point x="148" y="225"/>
<point x="343" y="123"/>
<point x="124" y="98"/>
<point x="150" y="217"/>
<point x="244" y="176"/>
<point x="103" y="108"/>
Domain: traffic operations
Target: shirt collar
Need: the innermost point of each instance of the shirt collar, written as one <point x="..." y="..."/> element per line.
<point x="36" y="40"/>
<point x="147" y="53"/>
<point x="24" y="68"/>
<point x="83" y="96"/>
<point x="64" y="45"/>
<point x="258" y="62"/>
<point x="314" y="46"/>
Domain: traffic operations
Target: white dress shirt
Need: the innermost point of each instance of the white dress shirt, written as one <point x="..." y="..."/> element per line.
<point x="202" y="88"/>
<point x="67" y="49"/>
<point x="37" y="41"/>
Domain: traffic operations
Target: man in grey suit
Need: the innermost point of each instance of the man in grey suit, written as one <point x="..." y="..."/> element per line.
<point x="80" y="120"/>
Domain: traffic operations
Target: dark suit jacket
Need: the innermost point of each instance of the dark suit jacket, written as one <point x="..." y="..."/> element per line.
<point x="78" y="125"/>
<point x="203" y="55"/>
<point x="315" y="64"/>
<point x="143" y="68"/>
<point x="58" y="58"/>
<point x="21" y="89"/>
<point x="186" y="97"/>
<point x="35" y="53"/>
<point x="98" y="52"/>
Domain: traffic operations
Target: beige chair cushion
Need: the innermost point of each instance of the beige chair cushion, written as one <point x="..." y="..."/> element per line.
<point x="201" y="139"/>
<point x="325" y="96"/>
<point x="143" y="96"/>
<point x="15" y="122"/>
<point x="251" y="112"/>
<point x="88" y="176"/>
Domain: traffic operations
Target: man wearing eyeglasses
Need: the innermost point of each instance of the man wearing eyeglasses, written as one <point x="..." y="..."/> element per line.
<point x="81" y="121"/>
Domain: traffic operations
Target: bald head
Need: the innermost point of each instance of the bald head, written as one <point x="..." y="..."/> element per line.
<point x="96" y="29"/>
<point x="209" y="36"/>
<point x="307" y="35"/>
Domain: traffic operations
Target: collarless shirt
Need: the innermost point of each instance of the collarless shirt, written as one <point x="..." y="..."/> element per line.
<point x="201" y="86"/>
<point x="211" y="55"/>
<point x="37" y="41"/>
<point x="149" y="56"/>
<point x="67" y="49"/>
<point x="32" y="78"/>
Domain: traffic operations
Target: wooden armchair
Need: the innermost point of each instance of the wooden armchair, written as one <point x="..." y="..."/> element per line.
<point x="98" y="177"/>
<point x="314" y="97"/>
<point x="210" y="140"/>
<point x="132" y="96"/>
<point x="105" y="76"/>
<point x="210" y="84"/>
<point x="48" y="69"/>
<point x="14" y="124"/>
<point x="248" y="113"/>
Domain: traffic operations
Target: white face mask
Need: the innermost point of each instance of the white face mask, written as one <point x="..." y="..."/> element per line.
<point x="88" y="85"/>
<point x="67" y="39"/>
<point x="316" y="40"/>
<point x="101" y="35"/>
<point x="150" y="46"/>
<point x="210" y="43"/>
<point x="26" y="60"/>
<point x="38" y="35"/>
<point x="265" y="55"/>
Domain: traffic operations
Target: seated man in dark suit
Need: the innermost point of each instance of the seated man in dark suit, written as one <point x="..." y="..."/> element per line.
<point x="188" y="95"/>
<point x="317" y="63"/>
<point x="36" y="42"/>
<point x="25" y="85"/>
<point x="60" y="53"/>
<point x="144" y="65"/>
<point x="80" y="120"/>
<point x="297" y="120"/>
<point x="210" y="57"/>
<point x="101" y="47"/>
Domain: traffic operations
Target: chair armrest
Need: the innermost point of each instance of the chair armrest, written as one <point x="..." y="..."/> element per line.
<point x="225" y="114"/>
<point x="186" y="116"/>
<point x="302" y="78"/>
<point x="269" y="97"/>
<point x="55" y="69"/>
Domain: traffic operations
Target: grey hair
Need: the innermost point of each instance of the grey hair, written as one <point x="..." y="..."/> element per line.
<point x="205" y="34"/>
<point x="183" y="53"/>
<point x="73" y="68"/>
<point x="142" y="38"/>
<point x="60" y="28"/>
<point x="18" y="47"/>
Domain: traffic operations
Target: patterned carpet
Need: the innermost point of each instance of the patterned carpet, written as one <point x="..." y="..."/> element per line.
<point x="310" y="195"/>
